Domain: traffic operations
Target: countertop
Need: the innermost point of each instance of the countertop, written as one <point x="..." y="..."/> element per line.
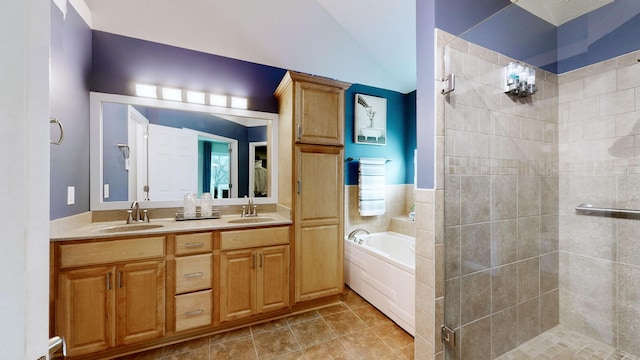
<point x="81" y="227"/>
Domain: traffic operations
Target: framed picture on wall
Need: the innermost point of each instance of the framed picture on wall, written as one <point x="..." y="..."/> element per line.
<point x="370" y="123"/>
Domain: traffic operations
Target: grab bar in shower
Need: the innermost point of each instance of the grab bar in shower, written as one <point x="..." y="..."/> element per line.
<point x="589" y="209"/>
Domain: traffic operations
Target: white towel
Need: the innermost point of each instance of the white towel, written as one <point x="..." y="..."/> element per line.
<point x="371" y="180"/>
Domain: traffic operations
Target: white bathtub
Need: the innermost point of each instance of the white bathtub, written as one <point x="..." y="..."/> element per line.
<point x="382" y="270"/>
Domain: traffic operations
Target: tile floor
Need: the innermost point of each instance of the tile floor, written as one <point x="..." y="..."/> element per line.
<point x="352" y="330"/>
<point x="560" y="343"/>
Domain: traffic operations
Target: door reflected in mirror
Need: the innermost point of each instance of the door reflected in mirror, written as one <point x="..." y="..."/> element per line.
<point x="158" y="151"/>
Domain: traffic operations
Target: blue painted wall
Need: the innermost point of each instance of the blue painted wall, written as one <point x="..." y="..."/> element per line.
<point x="116" y="115"/>
<point x="397" y="146"/>
<point x="591" y="38"/>
<point x="119" y="62"/>
<point x="83" y="60"/>
<point x="69" y="99"/>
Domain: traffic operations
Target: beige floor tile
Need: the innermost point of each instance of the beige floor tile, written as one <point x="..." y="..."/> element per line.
<point x="333" y="309"/>
<point x="269" y="326"/>
<point x="345" y="322"/>
<point x="353" y="300"/>
<point x="275" y="343"/>
<point x="312" y="332"/>
<point x="303" y="317"/>
<point x="296" y="355"/>
<point x="241" y="348"/>
<point x="185" y="347"/>
<point x="407" y="352"/>
<point x="329" y="350"/>
<point x="371" y="316"/>
<point x="365" y="345"/>
<point x="229" y="335"/>
<point x="393" y="336"/>
<point x="201" y="353"/>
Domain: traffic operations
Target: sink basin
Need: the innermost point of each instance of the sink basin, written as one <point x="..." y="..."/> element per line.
<point x="129" y="227"/>
<point x="250" y="220"/>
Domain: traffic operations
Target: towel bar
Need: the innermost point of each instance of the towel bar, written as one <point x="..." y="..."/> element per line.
<point x="590" y="209"/>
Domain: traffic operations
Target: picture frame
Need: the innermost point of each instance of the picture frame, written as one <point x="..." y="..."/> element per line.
<point x="370" y="120"/>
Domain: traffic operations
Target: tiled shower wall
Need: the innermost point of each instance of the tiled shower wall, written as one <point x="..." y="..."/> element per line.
<point x="398" y="203"/>
<point x="599" y="140"/>
<point x="498" y="166"/>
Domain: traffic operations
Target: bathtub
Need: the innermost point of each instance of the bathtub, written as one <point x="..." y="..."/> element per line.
<point x="381" y="268"/>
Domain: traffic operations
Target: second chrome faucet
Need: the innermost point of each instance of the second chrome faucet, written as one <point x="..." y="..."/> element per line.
<point x="249" y="210"/>
<point x="134" y="214"/>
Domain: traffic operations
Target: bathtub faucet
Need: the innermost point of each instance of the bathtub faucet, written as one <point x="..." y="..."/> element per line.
<point x="352" y="235"/>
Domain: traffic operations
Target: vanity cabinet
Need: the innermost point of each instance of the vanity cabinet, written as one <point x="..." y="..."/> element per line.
<point x="110" y="297"/>
<point x="193" y="276"/>
<point x="311" y="179"/>
<point x="254" y="272"/>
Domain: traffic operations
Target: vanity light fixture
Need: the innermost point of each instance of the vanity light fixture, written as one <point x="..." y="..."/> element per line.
<point x="217" y="100"/>
<point x="149" y="91"/>
<point x="238" y="102"/>
<point x="171" y="94"/>
<point x="195" y="97"/>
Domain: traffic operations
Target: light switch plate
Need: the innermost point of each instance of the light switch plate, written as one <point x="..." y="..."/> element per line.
<point x="71" y="195"/>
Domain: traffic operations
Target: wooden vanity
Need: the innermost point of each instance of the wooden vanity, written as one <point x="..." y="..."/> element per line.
<point x="116" y="294"/>
<point x="124" y="294"/>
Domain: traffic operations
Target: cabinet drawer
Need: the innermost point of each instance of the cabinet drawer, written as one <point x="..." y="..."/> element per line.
<point x="188" y="244"/>
<point x="193" y="310"/>
<point x="241" y="239"/>
<point x="193" y="273"/>
<point x="111" y="251"/>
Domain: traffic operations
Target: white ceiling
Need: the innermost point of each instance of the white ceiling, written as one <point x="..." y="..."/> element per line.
<point x="358" y="41"/>
<point x="558" y="12"/>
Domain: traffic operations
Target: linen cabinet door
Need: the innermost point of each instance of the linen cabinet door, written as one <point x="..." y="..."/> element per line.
<point x="86" y="309"/>
<point x="141" y="301"/>
<point x="319" y="225"/>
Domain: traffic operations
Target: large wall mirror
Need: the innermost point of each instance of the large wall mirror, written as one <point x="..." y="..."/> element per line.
<point x="155" y="151"/>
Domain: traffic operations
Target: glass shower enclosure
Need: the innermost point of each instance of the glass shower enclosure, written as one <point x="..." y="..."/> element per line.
<point x="538" y="179"/>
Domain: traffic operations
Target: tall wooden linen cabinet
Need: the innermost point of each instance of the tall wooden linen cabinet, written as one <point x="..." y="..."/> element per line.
<point x="311" y="179"/>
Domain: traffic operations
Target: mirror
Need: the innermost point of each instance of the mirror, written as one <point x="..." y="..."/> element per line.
<point x="156" y="151"/>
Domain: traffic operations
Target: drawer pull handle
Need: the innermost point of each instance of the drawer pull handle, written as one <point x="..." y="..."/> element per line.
<point x="192" y="275"/>
<point x="193" y="313"/>
<point x="194" y="245"/>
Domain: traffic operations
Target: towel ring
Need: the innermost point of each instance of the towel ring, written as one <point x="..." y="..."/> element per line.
<point x="56" y="121"/>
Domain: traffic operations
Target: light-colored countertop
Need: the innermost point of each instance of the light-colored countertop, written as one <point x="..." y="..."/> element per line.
<point x="82" y="228"/>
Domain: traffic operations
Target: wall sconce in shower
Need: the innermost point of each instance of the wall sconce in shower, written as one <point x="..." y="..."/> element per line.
<point x="520" y="80"/>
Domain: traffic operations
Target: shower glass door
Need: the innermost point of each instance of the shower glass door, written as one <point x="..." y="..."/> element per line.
<point x="520" y="260"/>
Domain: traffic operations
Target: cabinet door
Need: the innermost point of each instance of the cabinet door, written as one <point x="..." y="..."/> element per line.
<point x="319" y="227"/>
<point x="273" y="278"/>
<point x="141" y="299"/>
<point x="86" y="309"/>
<point x="321" y="185"/>
<point x="237" y="284"/>
<point x="319" y="262"/>
<point x="319" y="114"/>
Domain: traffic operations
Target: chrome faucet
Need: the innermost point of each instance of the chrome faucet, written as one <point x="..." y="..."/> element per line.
<point x="134" y="214"/>
<point x="252" y="209"/>
<point x="352" y="235"/>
